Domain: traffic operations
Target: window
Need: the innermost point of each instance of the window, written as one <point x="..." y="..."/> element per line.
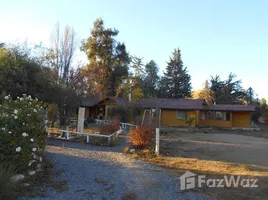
<point x="181" y="115"/>
<point x="203" y="115"/>
<point x="227" y="116"/>
<point x="219" y="116"/>
<point x="211" y="115"/>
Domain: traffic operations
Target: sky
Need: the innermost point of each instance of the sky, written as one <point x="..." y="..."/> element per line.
<point x="215" y="37"/>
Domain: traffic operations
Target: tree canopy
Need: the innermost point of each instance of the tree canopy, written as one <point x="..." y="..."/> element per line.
<point x="176" y="82"/>
<point x="108" y="59"/>
<point x="50" y="73"/>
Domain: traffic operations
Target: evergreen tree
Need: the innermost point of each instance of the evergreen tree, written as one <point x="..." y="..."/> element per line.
<point x="176" y="82"/>
<point x="151" y="80"/>
<point x="249" y="96"/>
<point x="108" y="59"/>
<point x="228" y="91"/>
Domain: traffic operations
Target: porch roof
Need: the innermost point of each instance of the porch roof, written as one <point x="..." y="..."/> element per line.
<point x="89" y="102"/>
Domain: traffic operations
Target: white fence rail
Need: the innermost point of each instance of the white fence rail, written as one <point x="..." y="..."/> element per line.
<point x="68" y="135"/>
<point x="125" y="126"/>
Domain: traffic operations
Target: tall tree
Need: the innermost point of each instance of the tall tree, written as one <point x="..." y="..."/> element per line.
<point x="108" y="59"/>
<point x="138" y="66"/>
<point x="131" y="86"/>
<point x="151" y="80"/>
<point x="176" y="82"/>
<point x="68" y="84"/>
<point x="249" y="96"/>
<point x="228" y="91"/>
<point x="62" y="51"/>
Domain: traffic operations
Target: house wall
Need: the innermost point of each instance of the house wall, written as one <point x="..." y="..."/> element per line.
<point x="241" y="119"/>
<point x="169" y="118"/>
<point x="238" y="119"/>
<point x="91" y="111"/>
<point x="215" y="123"/>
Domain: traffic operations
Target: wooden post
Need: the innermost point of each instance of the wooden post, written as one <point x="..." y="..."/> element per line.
<point x="157" y="138"/>
<point x="157" y="132"/>
<point x="109" y="140"/>
<point x="67" y="135"/>
<point x="81" y="116"/>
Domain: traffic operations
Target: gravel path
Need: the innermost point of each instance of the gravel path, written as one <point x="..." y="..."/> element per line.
<point x="94" y="172"/>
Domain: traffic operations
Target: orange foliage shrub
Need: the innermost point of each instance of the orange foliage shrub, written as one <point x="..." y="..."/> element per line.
<point x="141" y="136"/>
<point x="110" y="128"/>
<point x="266" y="119"/>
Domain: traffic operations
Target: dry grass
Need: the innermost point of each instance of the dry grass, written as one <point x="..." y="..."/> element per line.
<point x="207" y="166"/>
<point x="214" y="169"/>
<point x="192" y="152"/>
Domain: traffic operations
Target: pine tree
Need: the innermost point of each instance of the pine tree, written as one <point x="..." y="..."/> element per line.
<point x="228" y="91"/>
<point x="176" y="82"/>
<point x="151" y="80"/>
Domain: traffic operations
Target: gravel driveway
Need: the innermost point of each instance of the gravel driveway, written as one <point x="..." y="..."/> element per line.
<point x="94" y="172"/>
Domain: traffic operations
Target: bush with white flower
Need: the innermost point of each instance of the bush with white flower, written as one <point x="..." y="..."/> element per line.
<point x="22" y="130"/>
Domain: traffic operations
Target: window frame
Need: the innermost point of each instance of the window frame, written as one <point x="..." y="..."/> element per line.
<point x="203" y="114"/>
<point x="179" y="116"/>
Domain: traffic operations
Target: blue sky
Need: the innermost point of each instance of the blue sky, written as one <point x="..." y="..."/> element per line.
<point x="215" y="37"/>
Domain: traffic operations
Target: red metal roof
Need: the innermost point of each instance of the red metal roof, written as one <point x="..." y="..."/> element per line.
<point x="178" y="104"/>
<point x="185" y="104"/>
<point x="221" y="107"/>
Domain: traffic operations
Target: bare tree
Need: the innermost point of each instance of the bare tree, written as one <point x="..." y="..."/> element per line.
<point x="70" y="86"/>
<point x="62" y="51"/>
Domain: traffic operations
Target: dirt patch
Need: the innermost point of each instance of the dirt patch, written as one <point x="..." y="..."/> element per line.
<point x="218" y="147"/>
<point x="216" y="155"/>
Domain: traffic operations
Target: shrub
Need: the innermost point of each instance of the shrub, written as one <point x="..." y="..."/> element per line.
<point x="141" y="136"/>
<point x="190" y="121"/>
<point x="126" y="149"/>
<point x="110" y="128"/>
<point x="266" y="119"/>
<point x="21" y="131"/>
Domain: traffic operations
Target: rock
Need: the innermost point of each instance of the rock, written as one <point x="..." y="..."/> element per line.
<point x="16" y="178"/>
<point x="26" y="184"/>
<point x="132" y="150"/>
<point x="31" y="173"/>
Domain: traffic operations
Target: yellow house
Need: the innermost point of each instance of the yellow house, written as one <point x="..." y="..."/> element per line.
<point x="175" y="112"/>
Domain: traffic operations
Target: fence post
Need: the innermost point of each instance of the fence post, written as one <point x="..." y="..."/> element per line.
<point x="157" y="131"/>
<point x="157" y="135"/>
<point x="87" y="138"/>
<point x="67" y="135"/>
<point x="109" y="140"/>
